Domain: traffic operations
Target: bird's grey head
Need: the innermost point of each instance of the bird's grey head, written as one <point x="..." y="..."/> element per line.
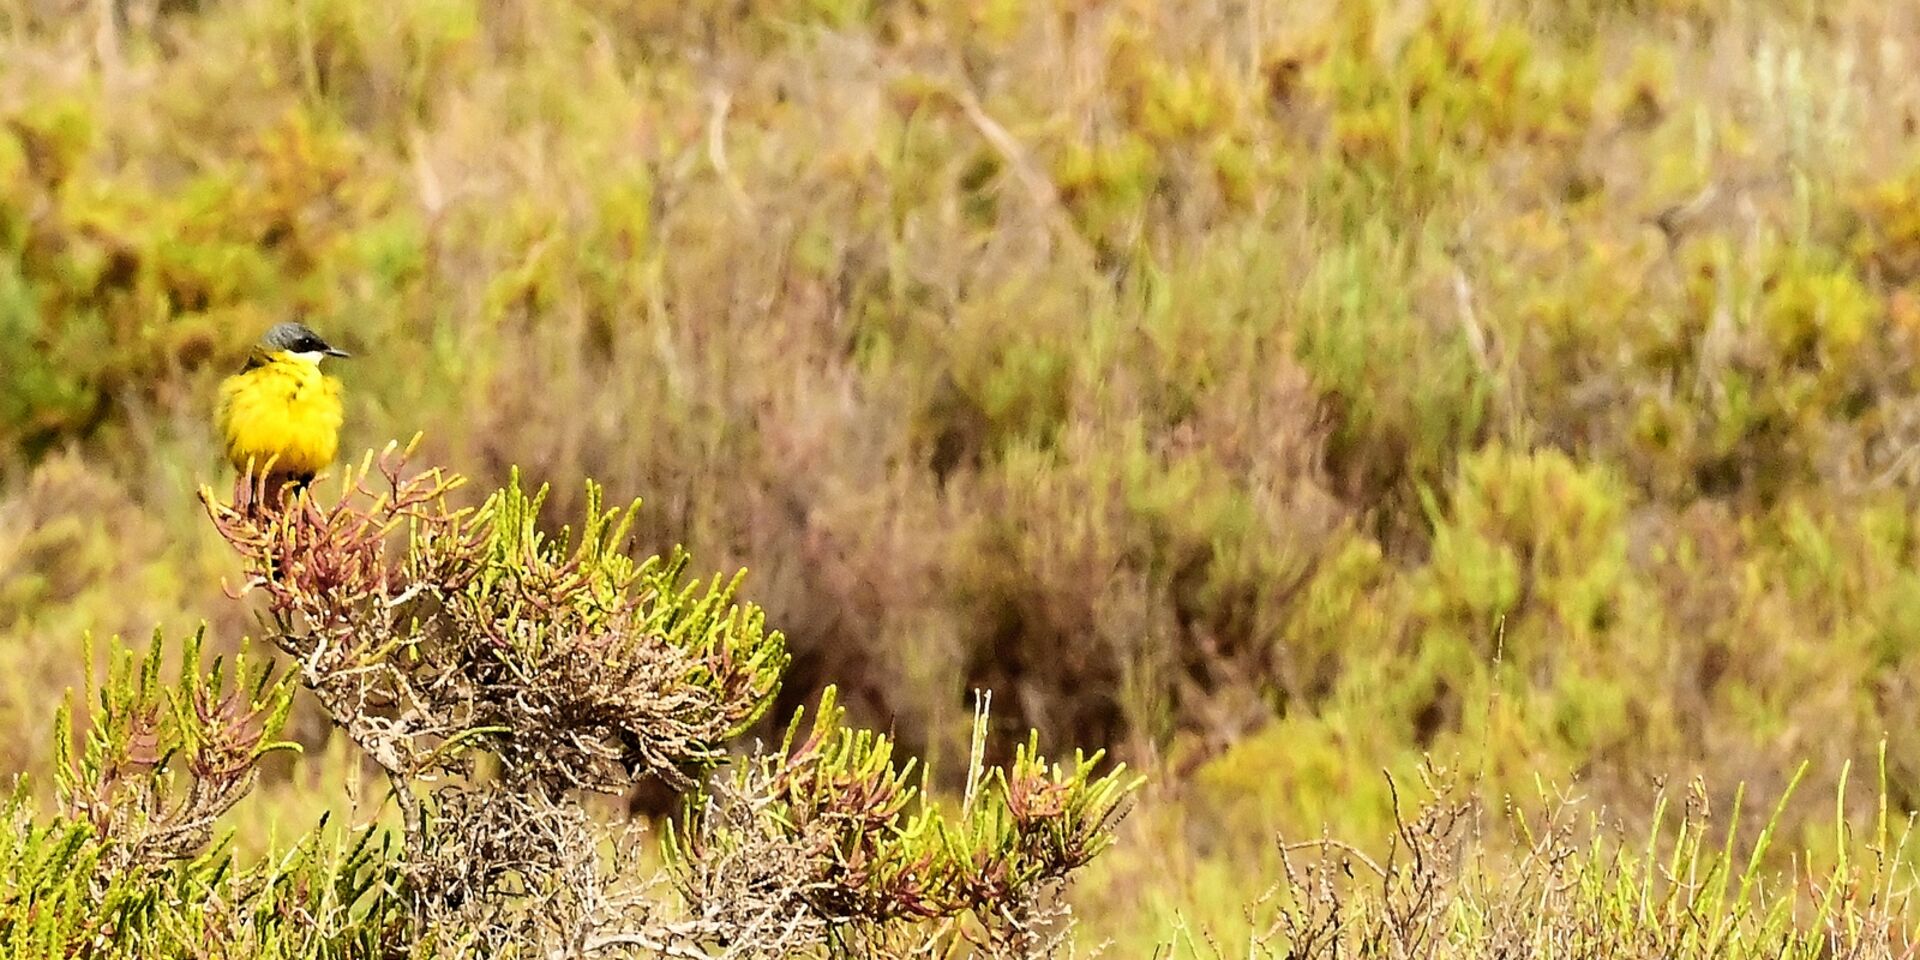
<point x="299" y="340"/>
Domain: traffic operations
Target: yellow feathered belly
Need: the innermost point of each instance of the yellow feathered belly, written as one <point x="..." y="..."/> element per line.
<point x="284" y="411"/>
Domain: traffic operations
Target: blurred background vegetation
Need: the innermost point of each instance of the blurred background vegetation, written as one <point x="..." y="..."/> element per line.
<point x="1277" y="393"/>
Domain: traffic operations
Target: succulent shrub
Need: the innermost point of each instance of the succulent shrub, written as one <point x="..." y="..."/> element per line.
<point x="499" y="674"/>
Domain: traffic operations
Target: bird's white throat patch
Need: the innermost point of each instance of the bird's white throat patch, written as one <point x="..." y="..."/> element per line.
<point x="312" y="357"/>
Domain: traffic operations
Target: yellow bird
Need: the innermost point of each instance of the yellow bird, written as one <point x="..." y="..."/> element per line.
<point x="280" y="416"/>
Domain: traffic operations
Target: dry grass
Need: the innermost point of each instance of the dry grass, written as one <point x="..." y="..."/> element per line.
<point x="1552" y="875"/>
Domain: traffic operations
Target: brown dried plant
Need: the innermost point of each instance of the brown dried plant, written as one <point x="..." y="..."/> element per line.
<point x="1551" y="877"/>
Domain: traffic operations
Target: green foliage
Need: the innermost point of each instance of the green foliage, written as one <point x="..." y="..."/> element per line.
<point x="1393" y="429"/>
<point x="1409" y="117"/>
<point x="160" y="760"/>
<point x="868" y="848"/>
<point x="532" y="597"/>
<point x="1525" y="535"/>
<point x="1887" y="236"/>
<point x="130" y="868"/>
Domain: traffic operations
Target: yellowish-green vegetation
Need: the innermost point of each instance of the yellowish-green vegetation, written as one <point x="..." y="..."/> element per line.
<point x="1280" y="394"/>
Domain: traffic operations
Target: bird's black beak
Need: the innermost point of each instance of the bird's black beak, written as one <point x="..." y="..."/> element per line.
<point x="336" y="352"/>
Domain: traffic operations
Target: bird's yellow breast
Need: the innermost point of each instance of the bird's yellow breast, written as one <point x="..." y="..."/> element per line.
<point x="283" y="410"/>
